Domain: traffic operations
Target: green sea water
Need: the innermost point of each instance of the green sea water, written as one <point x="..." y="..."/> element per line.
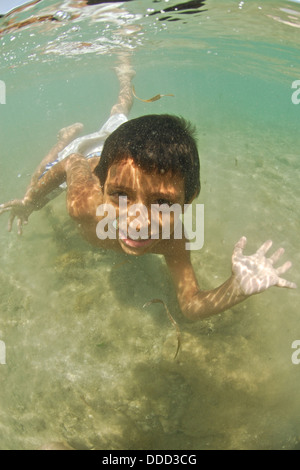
<point x="85" y="363"/>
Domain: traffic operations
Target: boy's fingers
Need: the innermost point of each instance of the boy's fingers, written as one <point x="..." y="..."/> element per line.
<point x="8" y="206"/>
<point x="4" y="209"/>
<point x="275" y="257"/>
<point x="239" y="246"/>
<point x="283" y="283"/>
<point x="282" y="269"/>
<point x="10" y="222"/>
<point x="264" y="248"/>
<point x="19" y="225"/>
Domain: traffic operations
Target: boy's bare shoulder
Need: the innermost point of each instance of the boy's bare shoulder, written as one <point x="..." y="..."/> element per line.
<point x="93" y="162"/>
<point x="84" y="191"/>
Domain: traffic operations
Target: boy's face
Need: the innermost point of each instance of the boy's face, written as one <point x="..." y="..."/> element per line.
<point x="133" y="185"/>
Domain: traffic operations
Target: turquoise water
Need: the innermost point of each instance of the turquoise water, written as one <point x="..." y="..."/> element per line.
<point x="85" y="363"/>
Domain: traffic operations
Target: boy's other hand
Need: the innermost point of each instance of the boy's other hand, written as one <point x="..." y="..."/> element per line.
<point x="18" y="209"/>
<point x="256" y="273"/>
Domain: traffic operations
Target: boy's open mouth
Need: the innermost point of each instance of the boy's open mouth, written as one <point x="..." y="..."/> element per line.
<point x="139" y="243"/>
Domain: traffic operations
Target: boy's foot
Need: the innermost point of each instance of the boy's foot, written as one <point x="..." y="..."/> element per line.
<point x="68" y="133"/>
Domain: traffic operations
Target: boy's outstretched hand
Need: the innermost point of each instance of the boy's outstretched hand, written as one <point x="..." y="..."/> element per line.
<point x="257" y="273"/>
<point x="19" y="209"/>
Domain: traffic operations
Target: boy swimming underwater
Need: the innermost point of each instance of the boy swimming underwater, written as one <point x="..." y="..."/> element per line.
<point x="148" y="161"/>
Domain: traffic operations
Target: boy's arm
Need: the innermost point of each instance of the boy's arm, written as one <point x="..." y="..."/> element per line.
<point x="41" y="184"/>
<point x="35" y="196"/>
<point x="84" y="193"/>
<point x="250" y="275"/>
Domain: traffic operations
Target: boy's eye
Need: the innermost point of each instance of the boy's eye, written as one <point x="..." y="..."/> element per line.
<point x="117" y="194"/>
<point x="163" y="201"/>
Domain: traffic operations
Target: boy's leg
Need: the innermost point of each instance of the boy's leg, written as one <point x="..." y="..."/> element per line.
<point x="93" y="143"/>
<point x="64" y="137"/>
<point x="125" y="74"/>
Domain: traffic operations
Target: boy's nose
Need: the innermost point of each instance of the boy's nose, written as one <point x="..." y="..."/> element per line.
<point x="137" y="217"/>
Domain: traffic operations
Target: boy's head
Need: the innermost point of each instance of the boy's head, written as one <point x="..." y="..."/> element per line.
<point x="156" y="143"/>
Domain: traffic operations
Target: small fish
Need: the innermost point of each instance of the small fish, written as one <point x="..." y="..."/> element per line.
<point x="156" y="301"/>
<point x="155" y="98"/>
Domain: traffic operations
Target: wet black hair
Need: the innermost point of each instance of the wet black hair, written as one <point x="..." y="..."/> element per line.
<point x="156" y="143"/>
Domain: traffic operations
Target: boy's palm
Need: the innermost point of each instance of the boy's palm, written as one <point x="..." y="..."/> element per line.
<point x="18" y="209"/>
<point x="256" y="273"/>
